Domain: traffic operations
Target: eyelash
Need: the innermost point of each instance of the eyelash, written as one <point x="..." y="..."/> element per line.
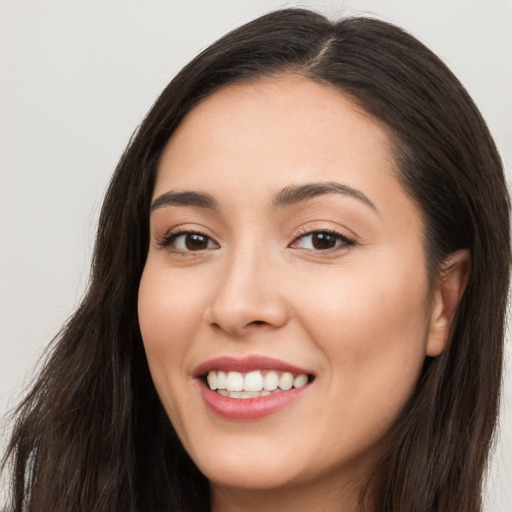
<point x="171" y="237"/>
<point x="341" y="241"/>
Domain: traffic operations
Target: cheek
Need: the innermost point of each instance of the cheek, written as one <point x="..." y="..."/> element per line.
<point x="377" y="307"/>
<point x="168" y="320"/>
<point x="168" y="310"/>
<point x="371" y="328"/>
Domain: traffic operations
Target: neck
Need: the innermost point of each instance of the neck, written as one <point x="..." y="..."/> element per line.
<point x="333" y="497"/>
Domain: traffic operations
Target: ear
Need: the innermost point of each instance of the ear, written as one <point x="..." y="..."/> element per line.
<point x="450" y="287"/>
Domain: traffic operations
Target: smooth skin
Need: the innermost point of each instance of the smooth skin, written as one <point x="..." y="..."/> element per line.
<point x="334" y="282"/>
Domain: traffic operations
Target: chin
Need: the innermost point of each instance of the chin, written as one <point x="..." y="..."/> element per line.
<point x="249" y="475"/>
<point x="246" y="463"/>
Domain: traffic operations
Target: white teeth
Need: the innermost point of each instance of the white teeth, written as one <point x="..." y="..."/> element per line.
<point x="235" y="381"/>
<point x="253" y="384"/>
<point x="222" y="380"/>
<point x="212" y="380"/>
<point x="298" y="382"/>
<point x="271" y="381"/>
<point x="253" y="381"/>
<point x="286" y="381"/>
<point x="243" y="394"/>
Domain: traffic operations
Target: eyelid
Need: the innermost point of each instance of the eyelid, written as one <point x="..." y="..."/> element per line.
<point x="347" y="241"/>
<point x="343" y="241"/>
<point x="172" y="234"/>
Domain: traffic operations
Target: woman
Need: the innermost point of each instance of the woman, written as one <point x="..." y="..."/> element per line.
<point x="298" y="291"/>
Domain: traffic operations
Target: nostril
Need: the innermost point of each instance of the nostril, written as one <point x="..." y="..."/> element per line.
<point x="258" y="322"/>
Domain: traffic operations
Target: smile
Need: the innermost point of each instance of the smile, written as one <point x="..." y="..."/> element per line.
<point x="254" y="384"/>
<point x="251" y="387"/>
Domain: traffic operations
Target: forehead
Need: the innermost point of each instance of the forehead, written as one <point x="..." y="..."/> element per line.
<point x="297" y="106"/>
<point x="270" y="133"/>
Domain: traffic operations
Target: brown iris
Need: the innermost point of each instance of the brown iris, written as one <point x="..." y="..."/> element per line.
<point x="196" y="242"/>
<point x="323" y="240"/>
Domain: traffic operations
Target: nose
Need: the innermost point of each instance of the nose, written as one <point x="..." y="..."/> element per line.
<point x="249" y="296"/>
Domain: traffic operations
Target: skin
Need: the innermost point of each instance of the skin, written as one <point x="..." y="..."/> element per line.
<point x="360" y="316"/>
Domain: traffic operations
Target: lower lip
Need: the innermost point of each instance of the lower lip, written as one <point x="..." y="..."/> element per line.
<point x="249" y="408"/>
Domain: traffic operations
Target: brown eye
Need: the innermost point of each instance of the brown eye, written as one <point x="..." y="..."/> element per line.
<point x="196" y="242"/>
<point x="188" y="242"/>
<point x="322" y="241"/>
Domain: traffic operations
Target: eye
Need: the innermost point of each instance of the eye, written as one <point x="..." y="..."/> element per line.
<point x="188" y="241"/>
<point x="322" y="241"/>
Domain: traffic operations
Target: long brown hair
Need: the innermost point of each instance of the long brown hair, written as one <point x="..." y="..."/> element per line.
<point x="92" y="435"/>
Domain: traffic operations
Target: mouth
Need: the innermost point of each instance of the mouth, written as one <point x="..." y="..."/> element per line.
<point x="251" y="387"/>
<point x="254" y="384"/>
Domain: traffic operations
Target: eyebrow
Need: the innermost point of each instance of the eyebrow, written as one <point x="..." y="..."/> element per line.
<point x="298" y="193"/>
<point x="288" y="196"/>
<point x="186" y="198"/>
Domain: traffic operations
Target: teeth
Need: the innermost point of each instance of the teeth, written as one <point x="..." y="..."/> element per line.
<point x="253" y="384"/>
<point x="253" y="381"/>
<point x="286" y="381"/>
<point x="212" y="380"/>
<point x="243" y="394"/>
<point x="298" y="382"/>
<point x="271" y="381"/>
<point x="235" y="381"/>
<point x="222" y="380"/>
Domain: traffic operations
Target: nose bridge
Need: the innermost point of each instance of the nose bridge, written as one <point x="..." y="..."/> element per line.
<point x="247" y="293"/>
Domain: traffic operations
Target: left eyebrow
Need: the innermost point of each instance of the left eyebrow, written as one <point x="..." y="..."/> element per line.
<point x="298" y="193"/>
<point x="185" y="198"/>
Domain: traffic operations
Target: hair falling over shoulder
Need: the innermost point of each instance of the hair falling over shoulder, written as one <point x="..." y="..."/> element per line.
<point x="92" y="435"/>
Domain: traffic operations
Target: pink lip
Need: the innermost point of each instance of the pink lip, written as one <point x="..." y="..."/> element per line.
<point x="247" y="408"/>
<point x="247" y="364"/>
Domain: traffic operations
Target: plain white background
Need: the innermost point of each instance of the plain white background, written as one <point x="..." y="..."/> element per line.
<point x="77" y="77"/>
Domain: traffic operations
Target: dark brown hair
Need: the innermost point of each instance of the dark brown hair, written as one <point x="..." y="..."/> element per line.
<point x="92" y="435"/>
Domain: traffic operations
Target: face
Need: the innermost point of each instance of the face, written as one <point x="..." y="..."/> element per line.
<point x="286" y="268"/>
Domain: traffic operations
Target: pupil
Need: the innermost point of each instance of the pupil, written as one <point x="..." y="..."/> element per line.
<point x="195" y="242"/>
<point x="323" y="241"/>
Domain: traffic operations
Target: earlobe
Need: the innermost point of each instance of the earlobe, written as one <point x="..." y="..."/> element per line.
<point x="450" y="287"/>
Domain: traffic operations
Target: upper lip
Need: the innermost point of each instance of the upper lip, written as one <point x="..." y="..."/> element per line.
<point x="247" y="364"/>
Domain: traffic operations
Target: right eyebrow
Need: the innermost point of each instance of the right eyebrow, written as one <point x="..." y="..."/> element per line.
<point x="185" y="198"/>
<point x="297" y="193"/>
